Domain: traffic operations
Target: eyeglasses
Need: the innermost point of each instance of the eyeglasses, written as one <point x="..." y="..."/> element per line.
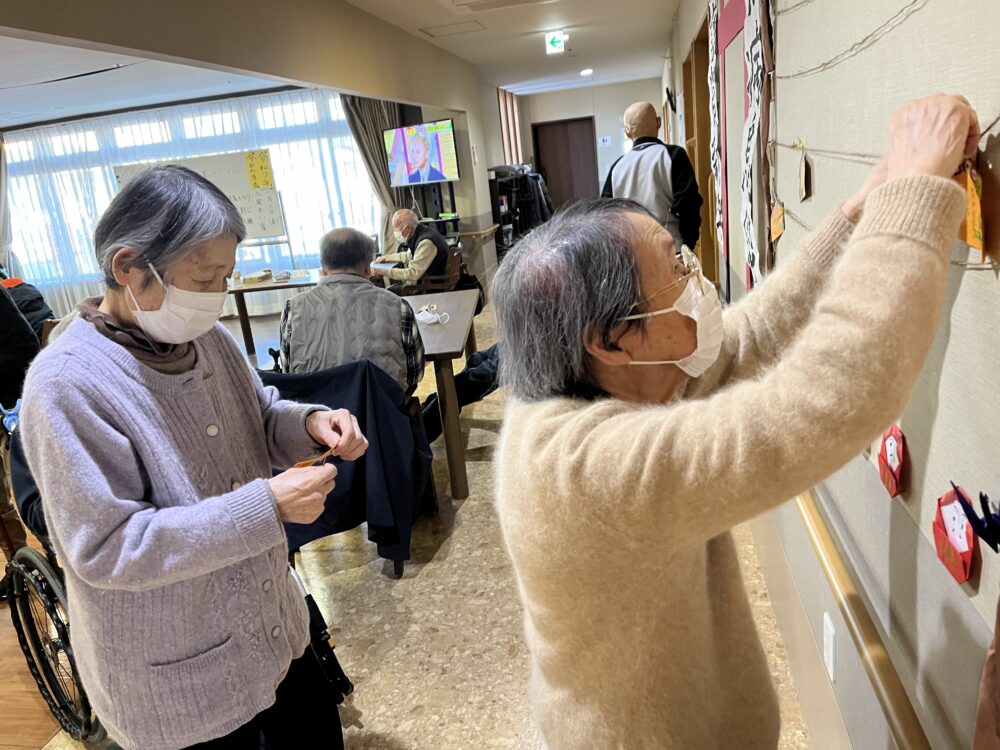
<point x="686" y="265"/>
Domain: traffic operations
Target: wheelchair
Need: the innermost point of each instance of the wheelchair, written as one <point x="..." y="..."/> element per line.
<point x="38" y="610"/>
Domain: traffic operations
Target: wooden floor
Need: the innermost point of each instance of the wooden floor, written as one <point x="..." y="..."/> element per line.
<point x="25" y="721"/>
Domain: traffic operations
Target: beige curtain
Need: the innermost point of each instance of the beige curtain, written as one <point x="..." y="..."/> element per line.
<point x="510" y="127"/>
<point x="368" y="119"/>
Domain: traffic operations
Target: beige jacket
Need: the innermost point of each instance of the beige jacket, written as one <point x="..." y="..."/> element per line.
<point x="617" y="514"/>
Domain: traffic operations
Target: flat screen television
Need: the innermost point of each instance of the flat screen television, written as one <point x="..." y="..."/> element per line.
<point x="420" y="154"/>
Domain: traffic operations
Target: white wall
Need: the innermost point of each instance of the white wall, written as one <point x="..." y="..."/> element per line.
<point x="952" y="423"/>
<point x="481" y="261"/>
<point x="952" y="426"/>
<point x="936" y="631"/>
<point x="312" y="42"/>
<point x="493" y="138"/>
<point x="604" y="103"/>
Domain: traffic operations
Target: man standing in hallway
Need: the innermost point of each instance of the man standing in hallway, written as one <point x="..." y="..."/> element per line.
<point x="657" y="176"/>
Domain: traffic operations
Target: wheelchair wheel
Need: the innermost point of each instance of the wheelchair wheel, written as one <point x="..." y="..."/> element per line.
<point x="38" y="610"/>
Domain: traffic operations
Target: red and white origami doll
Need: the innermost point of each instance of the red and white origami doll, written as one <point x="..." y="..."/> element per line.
<point x="892" y="461"/>
<point x="953" y="537"/>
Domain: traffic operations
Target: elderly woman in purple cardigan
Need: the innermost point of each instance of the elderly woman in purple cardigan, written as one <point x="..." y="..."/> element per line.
<point x="153" y="443"/>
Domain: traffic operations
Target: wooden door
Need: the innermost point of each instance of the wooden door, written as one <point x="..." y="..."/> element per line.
<point x="698" y="132"/>
<point x="566" y="153"/>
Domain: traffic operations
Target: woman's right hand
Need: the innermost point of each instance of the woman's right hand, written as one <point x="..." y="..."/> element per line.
<point x="301" y="493"/>
<point x="932" y="136"/>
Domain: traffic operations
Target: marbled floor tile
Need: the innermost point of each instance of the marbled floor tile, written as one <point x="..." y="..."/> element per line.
<point x="794" y="731"/>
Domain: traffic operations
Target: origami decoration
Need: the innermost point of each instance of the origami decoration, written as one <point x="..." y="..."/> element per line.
<point x="892" y="461"/>
<point x="986" y="528"/>
<point x="953" y="536"/>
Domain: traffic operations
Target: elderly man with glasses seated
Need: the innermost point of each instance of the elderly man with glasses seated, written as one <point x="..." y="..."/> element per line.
<point x="645" y="422"/>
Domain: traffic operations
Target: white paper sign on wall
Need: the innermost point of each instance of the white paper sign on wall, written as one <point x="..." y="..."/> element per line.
<point x="604" y="141"/>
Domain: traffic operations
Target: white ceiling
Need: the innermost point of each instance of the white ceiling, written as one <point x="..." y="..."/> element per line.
<point x="25" y="66"/>
<point x="622" y="40"/>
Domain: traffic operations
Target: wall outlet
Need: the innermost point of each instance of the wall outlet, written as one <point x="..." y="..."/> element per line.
<point x="829" y="646"/>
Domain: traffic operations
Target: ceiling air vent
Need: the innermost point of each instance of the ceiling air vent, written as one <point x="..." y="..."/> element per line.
<point x="453" y="29"/>
<point x="467" y="7"/>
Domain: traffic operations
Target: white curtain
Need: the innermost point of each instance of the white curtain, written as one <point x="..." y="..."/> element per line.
<point x="61" y="178"/>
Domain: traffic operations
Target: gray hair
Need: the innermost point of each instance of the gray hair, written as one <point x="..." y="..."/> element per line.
<point x="162" y="213"/>
<point x="345" y="248"/>
<point x="571" y="279"/>
<point x="420" y="135"/>
<point x="407" y="216"/>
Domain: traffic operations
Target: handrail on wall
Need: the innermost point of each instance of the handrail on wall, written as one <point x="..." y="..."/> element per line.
<point x="903" y="723"/>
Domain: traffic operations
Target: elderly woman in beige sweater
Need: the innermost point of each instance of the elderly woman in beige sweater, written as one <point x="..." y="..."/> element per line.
<point x="646" y="422"/>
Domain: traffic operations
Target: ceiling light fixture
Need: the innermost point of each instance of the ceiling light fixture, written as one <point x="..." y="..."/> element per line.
<point x="587" y="72"/>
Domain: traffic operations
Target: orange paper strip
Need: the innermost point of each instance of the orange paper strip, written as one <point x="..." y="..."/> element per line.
<point x="311" y="461"/>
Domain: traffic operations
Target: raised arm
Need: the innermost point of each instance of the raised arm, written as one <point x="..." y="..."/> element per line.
<point x="683" y="473"/>
<point x="765" y="322"/>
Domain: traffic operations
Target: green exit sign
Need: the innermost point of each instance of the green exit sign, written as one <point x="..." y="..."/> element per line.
<point x="555" y="42"/>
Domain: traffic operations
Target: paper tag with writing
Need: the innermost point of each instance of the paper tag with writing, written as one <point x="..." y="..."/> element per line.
<point x="777" y="221"/>
<point x="971" y="231"/>
<point x="805" y="178"/>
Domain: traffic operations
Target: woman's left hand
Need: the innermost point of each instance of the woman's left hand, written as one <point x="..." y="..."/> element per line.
<point x="338" y="429"/>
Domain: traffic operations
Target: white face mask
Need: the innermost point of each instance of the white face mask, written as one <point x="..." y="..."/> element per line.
<point x="426" y="317"/>
<point x="399" y="237"/>
<point x="700" y="302"/>
<point x="183" y="316"/>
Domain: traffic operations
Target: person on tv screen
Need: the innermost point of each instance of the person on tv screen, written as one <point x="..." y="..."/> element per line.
<point x="419" y="146"/>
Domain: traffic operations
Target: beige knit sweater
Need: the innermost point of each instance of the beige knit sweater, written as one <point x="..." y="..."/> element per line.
<point x="617" y="515"/>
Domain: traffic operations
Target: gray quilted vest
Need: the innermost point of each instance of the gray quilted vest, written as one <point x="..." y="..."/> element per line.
<point x="344" y="319"/>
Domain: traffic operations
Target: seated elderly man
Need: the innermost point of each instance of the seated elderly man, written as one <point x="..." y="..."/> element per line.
<point x="422" y="250"/>
<point x="346" y="318"/>
<point x="645" y="422"/>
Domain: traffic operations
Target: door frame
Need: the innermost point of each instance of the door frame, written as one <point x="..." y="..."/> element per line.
<point x="698" y="134"/>
<point x="732" y="18"/>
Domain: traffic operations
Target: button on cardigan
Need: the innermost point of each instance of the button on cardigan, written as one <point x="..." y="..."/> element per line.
<point x="184" y="617"/>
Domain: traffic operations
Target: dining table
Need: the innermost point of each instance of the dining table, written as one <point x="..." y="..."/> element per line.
<point x="444" y="342"/>
<point x="241" y="288"/>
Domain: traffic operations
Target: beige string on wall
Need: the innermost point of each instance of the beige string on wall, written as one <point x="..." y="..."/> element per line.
<point x="987" y="164"/>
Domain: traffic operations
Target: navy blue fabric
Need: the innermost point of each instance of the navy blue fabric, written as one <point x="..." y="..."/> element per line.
<point x="18" y="346"/>
<point x="379" y="487"/>
<point x="26" y="494"/>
